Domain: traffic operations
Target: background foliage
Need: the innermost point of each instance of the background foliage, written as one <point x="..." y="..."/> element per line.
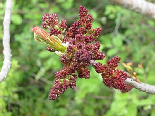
<point x="124" y="33"/>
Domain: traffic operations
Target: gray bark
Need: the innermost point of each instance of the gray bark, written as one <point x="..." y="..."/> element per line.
<point x="140" y="6"/>
<point x="6" y="41"/>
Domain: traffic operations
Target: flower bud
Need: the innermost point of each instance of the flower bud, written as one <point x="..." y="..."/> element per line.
<point x="43" y="37"/>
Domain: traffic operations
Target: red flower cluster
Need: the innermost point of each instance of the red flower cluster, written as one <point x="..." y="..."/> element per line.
<point x="113" y="77"/>
<point x="82" y="48"/>
<point x="51" y="21"/>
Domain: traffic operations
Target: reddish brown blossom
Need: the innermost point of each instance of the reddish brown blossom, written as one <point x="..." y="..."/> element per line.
<point x="81" y="48"/>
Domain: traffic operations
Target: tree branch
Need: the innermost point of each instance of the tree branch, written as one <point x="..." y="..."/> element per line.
<point x="6" y="41"/>
<point x="140" y="6"/>
<point x="140" y="86"/>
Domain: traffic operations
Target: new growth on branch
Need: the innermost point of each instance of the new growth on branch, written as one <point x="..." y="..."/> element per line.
<point x="78" y="48"/>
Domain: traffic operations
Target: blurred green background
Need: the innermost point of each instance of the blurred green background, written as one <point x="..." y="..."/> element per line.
<point x="124" y="33"/>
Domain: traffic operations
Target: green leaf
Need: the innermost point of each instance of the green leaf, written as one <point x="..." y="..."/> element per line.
<point x="53" y="62"/>
<point x="117" y="41"/>
<point x="112" y="52"/>
<point x="118" y="105"/>
<point x="54" y="9"/>
<point x="111" y="16"/>
<point x="131" y="109"/>
<point x="67" y="4"/>
<point x="43" y="5"/>
<point x="89" y="110"/>
<point x="145" y="102"/>
<point x="93" y="13"/>
<point x="40" y="73"/>
<point x="60" y="1"/>
<point x="103" y="20"/>
<point x="17" y="19"/>
<point x="62" y="111"/>
<point x="116" y="108"/>
<point x="86" y="86"/>
<point x="106" y="40"/>
<point x="96" y="24"/>
<point x="44" y="54"/>
<point x="153" y="112"/>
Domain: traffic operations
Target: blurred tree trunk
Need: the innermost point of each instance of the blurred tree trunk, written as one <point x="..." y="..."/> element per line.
<point x="140" y="6"/>
<point x="6" y="41"/>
